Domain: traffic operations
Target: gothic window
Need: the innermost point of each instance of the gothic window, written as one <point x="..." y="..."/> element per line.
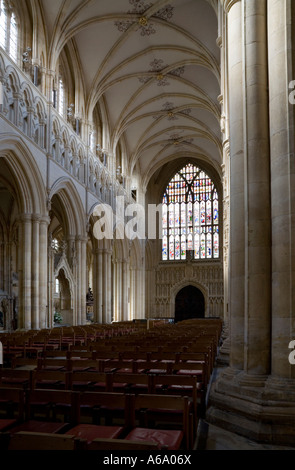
<point x="61" y="97"/>
<point x="8" y="29"/>
<point x="190" y="216"/>
<point x="55" y="245"/>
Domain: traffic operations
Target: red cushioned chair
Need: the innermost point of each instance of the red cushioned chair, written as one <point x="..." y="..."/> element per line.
<point x="42" y="441"/>
<point x="51" y="405"/>
<point x="104" y="403"/>
<point x="50" y="379"/>
<point x="173" y="438"/>
<point x="131" y="383"/>
<point x="88" y="432"/>
<point x="12" y="403"/>
<point x="89" y="380"/>
<point x="6" y="424"/>
<point x="10" y="377"/>
<point x="122" y="444"/>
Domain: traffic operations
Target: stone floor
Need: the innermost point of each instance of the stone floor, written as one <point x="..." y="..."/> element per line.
<point x="213" y="438"/>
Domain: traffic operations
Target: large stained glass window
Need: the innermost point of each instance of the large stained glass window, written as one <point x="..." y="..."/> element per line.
<point x="190" y="216"/>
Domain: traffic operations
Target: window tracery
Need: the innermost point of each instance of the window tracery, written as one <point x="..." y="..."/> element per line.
<point x="190" y="216"/>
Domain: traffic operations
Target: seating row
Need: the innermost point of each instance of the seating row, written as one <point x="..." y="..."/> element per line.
<point x="161" y="420"/>
<point x="122" y="382"/>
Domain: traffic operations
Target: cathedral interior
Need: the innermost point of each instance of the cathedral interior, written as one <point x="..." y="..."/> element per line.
<point x="147" y="178"/>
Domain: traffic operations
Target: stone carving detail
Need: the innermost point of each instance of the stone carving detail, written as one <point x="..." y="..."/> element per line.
<point x="145" y="26"/>
<point x="171" y="278"/>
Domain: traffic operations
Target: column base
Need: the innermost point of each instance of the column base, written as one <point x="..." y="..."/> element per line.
<point x="260" y="408"/>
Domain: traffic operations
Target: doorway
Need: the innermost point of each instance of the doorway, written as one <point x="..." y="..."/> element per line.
<point x="189" y="303"/>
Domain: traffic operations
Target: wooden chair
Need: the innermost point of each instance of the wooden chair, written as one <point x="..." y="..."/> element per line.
<point x="50" y="379"/>
<point x="101" y="405"/>
<point x="106" y="407"/>
<point x="20" y="378"/>
<point x="24" y="440"/>
<point x="53" y="363"/>
<point x="112" y="365"/>
<point x="91" y="381"/>
<point x="183" y="385"/>
<point x="12" y="403"/>
<point x="130" y="383"/>
<point x="153" y="367"/>
<point x="81" y="364"/>
<point x="161" y="432"/>
<point x="51" y="405"/>
<point x="122" y="444"/>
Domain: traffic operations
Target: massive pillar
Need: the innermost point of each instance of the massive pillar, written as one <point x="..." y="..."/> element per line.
<point x="281" y="19"/>
<point x="237" y="196"/>
<point x="257" y="191"/>
<point x="251" y="396"/>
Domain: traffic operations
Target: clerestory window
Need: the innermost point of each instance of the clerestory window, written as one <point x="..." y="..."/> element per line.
<point x="61" y="97"/>
<point x="190" y="216"/>
<point x="8" y="29"/>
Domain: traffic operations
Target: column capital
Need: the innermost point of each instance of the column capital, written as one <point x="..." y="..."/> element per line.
<point x="25" y="217"/>
<point x="81" y="238"/>
<point x="227" y="4"/>
<point x="44" y="219"/>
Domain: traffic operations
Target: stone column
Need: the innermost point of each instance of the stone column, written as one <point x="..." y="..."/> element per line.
<point x="77" y="309"/>
<point x="2" y="265"/>
<point x="118" y="288"/>
<point x="107" y="286"/>
<point x="17" y="97"/>
<point x="237" y="196"/>
<point x="281" y="73"/>
<point x="35" y="272"/>
<point x="50" y="283"/>
<point x="133" y="292"/>
<point x="83" y="286"/>
<point x="97" y="285"/>
<point x="30" y="111"/>
<point x="42" y="127"/>
<point x="125" y="289"/>
<point x="100" y="286"/>
<point x="81" y="280"/>
<point x="26" y="272"/>
<point x="247" y="399"/>
<point x="257" y="196"/>
<point x="109" y="310"/>
<point x="141" y="312"/>
<point x="43" y="270"/>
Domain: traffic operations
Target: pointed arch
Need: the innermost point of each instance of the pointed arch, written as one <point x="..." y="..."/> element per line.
<point x="31" y="191"/>
<point x="72" y="203"/>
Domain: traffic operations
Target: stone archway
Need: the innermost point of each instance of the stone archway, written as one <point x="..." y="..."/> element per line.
<point x="189" y="303"/>
<point x="63" y="298"/>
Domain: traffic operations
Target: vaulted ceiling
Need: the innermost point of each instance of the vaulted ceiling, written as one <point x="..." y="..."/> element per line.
<point x="154" y="66"/>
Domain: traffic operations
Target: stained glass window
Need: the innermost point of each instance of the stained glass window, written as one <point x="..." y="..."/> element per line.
<point x="190" y="216"/>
